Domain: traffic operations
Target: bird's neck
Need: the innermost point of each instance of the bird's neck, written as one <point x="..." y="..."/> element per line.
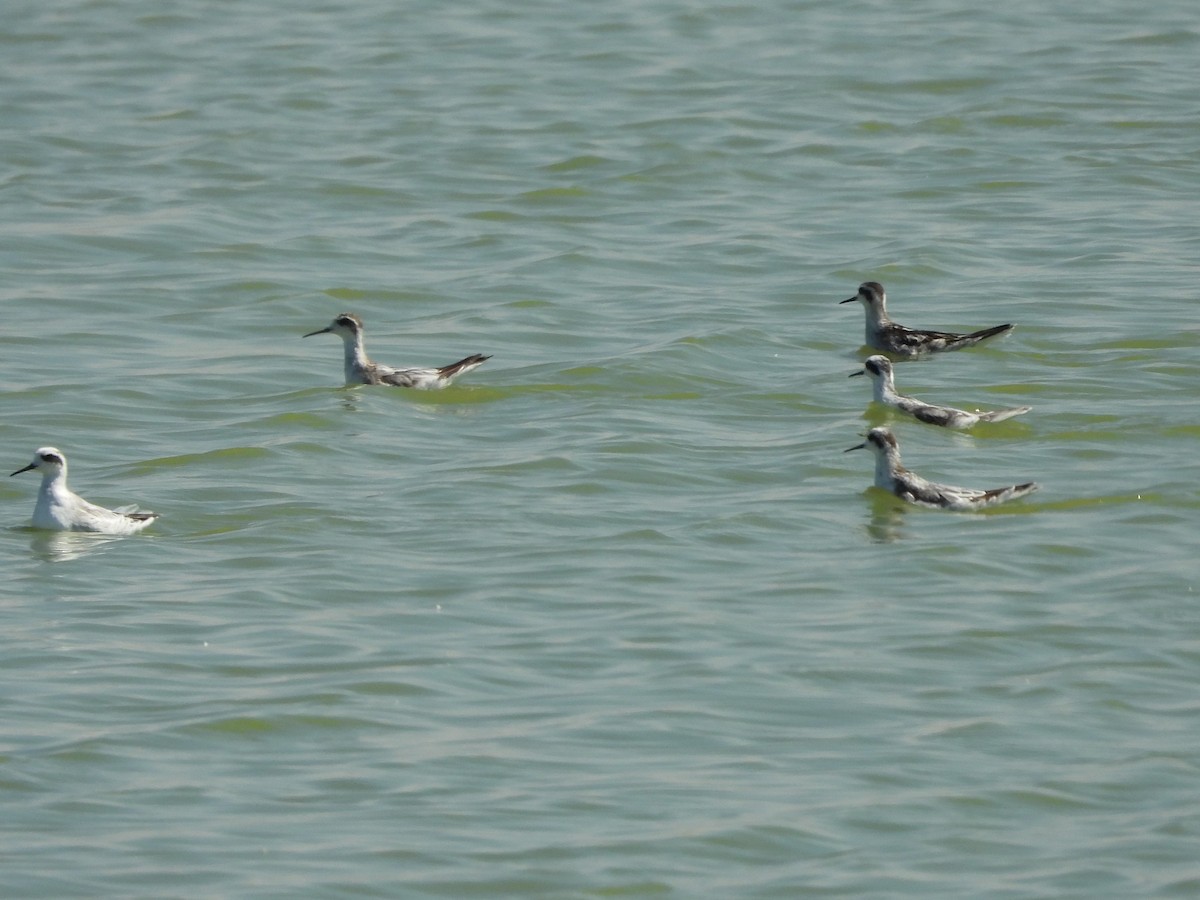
<point x="356" y="359"/>
<point x="52" y="494"/>
<point x="886" y="465"/>
<point x="55" y="485"/>
<point x="877" y="316"/>
<point x="885" y="390"/>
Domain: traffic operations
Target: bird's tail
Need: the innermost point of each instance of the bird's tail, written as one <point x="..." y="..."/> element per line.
<point x="999" y="415"/>
<point x="131" y="511"/>
<point x="999" y="495"/>
<point x="463" y="365"/>
<point x="984" y="333"/>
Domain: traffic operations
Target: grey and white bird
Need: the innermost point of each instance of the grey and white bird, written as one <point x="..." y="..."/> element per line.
<point x="882" y="375"/>
<point x="58" y="509"/>
<point x="891" y="475"/>
<point x="884" y="334"/>
<point x="360" y="369"/>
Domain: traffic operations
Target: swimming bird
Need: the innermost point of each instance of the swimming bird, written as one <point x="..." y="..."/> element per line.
<point x="883" y="380"/>
<point x="893" y="477"/>
<point x="884" y="334"/>
<point x="360" y="369"/>
<point x="58" y="509"/>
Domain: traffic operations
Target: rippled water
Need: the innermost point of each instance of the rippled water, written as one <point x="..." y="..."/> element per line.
<point x="614" y="617"/>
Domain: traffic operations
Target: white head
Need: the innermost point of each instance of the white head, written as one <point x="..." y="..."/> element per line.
<point x="347" y="326"/>
<point x="881" y="442"/>
<point x="50" y="461"/>
<point x="879" y="367"/>
<point x="870" y="294"/>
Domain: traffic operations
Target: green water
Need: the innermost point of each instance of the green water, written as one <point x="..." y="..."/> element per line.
<point x="615" y="616"/>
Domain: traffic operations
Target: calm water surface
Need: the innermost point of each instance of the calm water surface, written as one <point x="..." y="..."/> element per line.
<point x="614" y="617"/>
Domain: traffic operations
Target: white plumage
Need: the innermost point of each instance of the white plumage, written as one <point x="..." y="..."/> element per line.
<point x="58" y="509"/>
<point x="884" y="334"/>
<point x="882" y="375"/>
<point x="893" y="477"/>
<point x="360" y="369"/>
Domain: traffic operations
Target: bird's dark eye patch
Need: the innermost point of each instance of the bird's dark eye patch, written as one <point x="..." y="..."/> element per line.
<point x="50" y="457"/>
<point x="346" y="321"/>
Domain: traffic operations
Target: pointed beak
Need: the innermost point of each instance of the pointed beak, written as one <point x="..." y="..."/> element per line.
<point x="325" y="330"/>
<point x="848" y="300"/>
<point x="26" y="469"/>
<point x="855" y="447"/>
<point x="859" y="372"/>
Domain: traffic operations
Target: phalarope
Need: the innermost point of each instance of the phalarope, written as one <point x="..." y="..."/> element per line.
<point x="58" y="509"/>
<point x="883" y="380"/>
<point x="884" y="334"/>
<point x="360" y="369"/>
<point x="892" y="476"/>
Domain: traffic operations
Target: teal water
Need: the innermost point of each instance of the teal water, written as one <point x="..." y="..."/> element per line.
<point x="615" y="617"/>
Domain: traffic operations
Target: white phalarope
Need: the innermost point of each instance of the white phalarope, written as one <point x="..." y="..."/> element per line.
<point x="883" y="380"/>
<point x="892" y="476"/>
<point x="884" y="334"/>
<point x="360" y="369"/>
<point x="58" y="509"/>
